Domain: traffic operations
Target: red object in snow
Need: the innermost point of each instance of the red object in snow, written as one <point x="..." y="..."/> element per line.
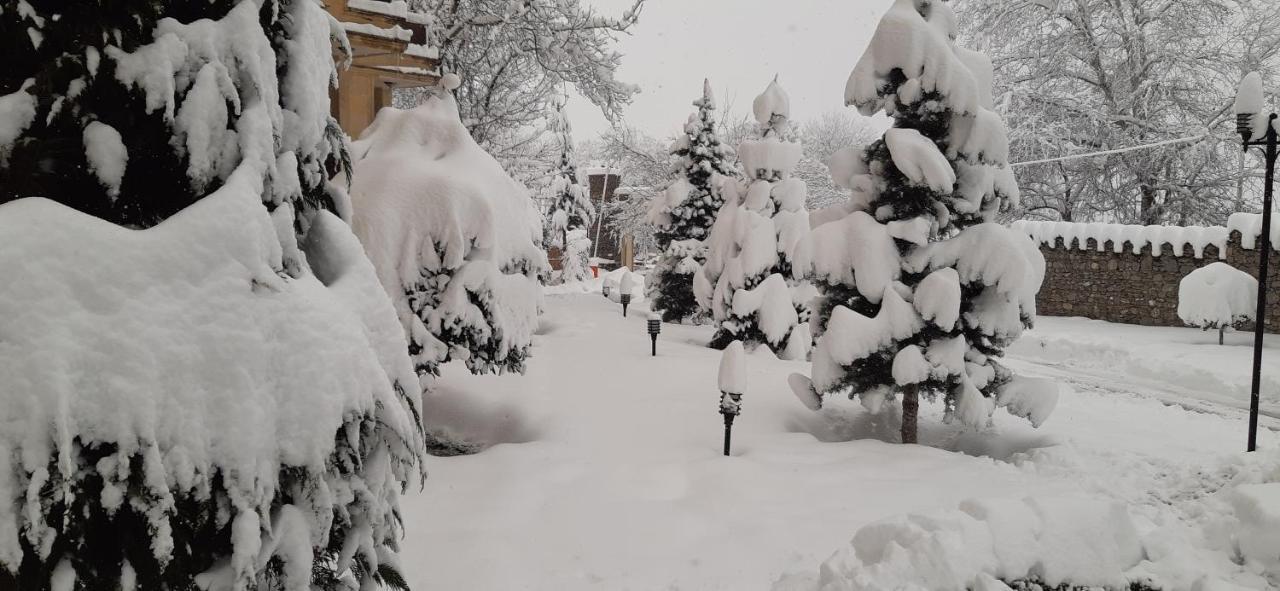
<point x="595" y="271"/>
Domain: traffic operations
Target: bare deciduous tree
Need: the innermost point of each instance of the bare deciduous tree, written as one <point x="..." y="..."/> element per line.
<point x="513" y="56"/>
<point x="1077" y="76"/>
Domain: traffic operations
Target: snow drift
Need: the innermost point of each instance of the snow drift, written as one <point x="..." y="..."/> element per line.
<point x="453" y="238"/>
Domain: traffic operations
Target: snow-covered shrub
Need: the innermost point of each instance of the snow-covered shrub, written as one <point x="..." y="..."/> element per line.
<point x="747" y="282"/>
<point x="221" y="400"/>
<point x="575" y="256"/>
<point x="921" y="289"/>
<point x="683" y="214"/>
<point x="177" y="409"/>
<point x="454" y="239"/>
<point x="1218" y="296"/>
<point x="571" y="208"/>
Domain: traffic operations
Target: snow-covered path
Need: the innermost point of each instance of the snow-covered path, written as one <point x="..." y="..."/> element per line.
<point x="607" y="473"/>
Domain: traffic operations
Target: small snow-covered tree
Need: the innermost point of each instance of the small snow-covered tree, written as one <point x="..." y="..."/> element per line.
<point x="684" y="213"/>
<point x="747" y="282"/>
<point x="921" y="290"/>
<point x="249" y="416"/>
<point x="1218" y="296"/>
<point x="571" y="207"/>
<point x="459" y="254"/>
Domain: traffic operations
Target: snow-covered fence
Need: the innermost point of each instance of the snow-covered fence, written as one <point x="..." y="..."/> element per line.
<point x="1130" y="274"/>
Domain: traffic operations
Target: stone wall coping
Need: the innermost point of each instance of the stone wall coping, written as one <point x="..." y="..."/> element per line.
<point x="1242" y="229"/>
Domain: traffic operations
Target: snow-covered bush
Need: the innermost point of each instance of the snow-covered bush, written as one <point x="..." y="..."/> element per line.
<point x="921" y="289"/>
<point x="575" y="257"/>
<point x="221" y="400"/>
<point x="1218" y="296"/>
<point x="683" y="214"/>
<point x="747" y="282"/>
<point x="454" y="239"/>
<point x="571" y="208"/>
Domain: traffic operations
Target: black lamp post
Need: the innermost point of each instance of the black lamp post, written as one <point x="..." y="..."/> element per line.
<point x="733" y="380"/>
<point x="626" y="301"/>
<point x="655" y="327"/>
<point x="604" y="288"/>
<point x="730" y="407"/>
<point x="1248" y="110"/>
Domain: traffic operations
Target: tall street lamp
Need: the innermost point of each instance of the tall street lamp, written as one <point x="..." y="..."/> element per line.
<point x="1257" y="130"/>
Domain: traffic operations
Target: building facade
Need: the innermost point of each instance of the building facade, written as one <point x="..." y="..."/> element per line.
<point x="389" y="50"/>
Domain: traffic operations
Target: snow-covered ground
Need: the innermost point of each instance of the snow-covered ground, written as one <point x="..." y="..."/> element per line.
<point x="605" y="469"/>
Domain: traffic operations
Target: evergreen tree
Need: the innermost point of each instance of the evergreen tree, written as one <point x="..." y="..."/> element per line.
<point x="922" y="290"/>
<point x="571" y="207"/>
<point x="684" y="213"/>
<point x="130" y="112"/>
<point x="747" y="281"/>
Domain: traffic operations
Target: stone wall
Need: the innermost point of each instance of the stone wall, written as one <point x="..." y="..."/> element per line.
<point x="1137" y="288"/>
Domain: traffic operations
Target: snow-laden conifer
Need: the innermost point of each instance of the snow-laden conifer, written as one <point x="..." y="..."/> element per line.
<point x="747" y="282"/>
<point x="684" y="213"/>
<point x="455" y="240"/>
<point x="571" y="209"/>
<point x="921" y="289"/>
<point x="200" y="389"/>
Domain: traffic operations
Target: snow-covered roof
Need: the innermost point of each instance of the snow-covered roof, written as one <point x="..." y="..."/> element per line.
<point x="590" y="171"/>
<point x="397" y="32"/>
<point x="423" y="51"/>
<point x="1077" y="235"/>
<point x="398" y="9"/>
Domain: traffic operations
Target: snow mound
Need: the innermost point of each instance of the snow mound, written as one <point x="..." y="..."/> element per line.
<point x="188" y="364"/>
<point x="444" y="223"/>
<point x="1217" y="295"/>
<point x="1257" y="506"/>
<point x="1075" y="539"/>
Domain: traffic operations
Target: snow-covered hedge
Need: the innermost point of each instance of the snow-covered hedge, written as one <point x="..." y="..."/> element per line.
<point x="454" y="239"/>
<point x="173" y="391"/>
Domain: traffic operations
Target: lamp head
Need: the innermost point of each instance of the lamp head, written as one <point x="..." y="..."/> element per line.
<point x="1244" y="125"/>
<point x="1248" y="104"/>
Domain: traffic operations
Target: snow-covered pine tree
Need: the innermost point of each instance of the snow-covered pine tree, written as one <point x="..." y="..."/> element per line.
<point x="140" y="467"/>
<point x="747" y="281"/>
<point x="571" y="207"/>
<point x="922" y="289"/>
<point x="683" y="214"/>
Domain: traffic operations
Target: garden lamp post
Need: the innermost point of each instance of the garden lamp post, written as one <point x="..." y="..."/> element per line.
<point x="1258" y="130"/>
<point x="733" y="380"/>
<point x="625" y="287"/>
<point x="655" y="327"/>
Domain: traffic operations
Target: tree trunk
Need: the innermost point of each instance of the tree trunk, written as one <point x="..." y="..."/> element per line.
<point x="1221" y="331"/>
<point x="910" y="408"/>
<point x="1150" y="212"/>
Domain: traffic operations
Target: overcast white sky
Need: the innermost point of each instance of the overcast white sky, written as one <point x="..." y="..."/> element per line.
<point x="739" y="44"/>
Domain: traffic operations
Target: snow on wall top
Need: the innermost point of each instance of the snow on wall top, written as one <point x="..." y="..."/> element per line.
<point x="1177" y="238"/>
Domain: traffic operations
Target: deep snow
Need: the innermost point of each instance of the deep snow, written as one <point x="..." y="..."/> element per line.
<point x="605" y="471"/>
